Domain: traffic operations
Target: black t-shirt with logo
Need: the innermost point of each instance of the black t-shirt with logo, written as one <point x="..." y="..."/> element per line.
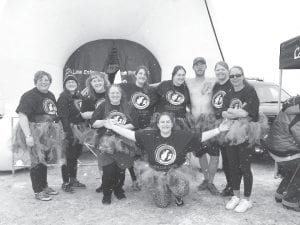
<point x="218" y="93"/>
<point x="89" y="104"/>
<point x="114" y="113"/>
<point x="69" y="110"/>
<point x="165" y="153"/>
<point x="141" y="102"/>
<point x="35" y="103"/>
<point x="172" y="98"/>
<point x="246" y="98"/>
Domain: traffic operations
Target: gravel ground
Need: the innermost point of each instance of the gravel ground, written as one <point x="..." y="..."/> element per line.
<point x="18" y="205"/>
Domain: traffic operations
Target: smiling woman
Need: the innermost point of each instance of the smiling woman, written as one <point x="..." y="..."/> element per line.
<point x="166" y="149"/>
<point x="39" y="132"/>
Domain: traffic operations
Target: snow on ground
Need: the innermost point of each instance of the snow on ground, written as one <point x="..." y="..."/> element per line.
<point x="18" y="206"/>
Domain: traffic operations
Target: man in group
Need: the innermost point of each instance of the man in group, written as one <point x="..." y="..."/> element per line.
<point x="202" y="118"/>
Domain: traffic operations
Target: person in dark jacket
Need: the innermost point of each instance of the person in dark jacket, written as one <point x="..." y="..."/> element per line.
<point x="68" y="105"/>
<point x="284" y="146"/>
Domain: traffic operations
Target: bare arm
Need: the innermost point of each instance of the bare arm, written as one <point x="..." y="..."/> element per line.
<point x="87" y="115"/>
<point x="98" y="124"/>
<point x="224" y="126"/>
<point x="206" y="135"/>
<point x="128" y="126"/>
<point x="24" y="123"/>
<point x="120" y="130"/>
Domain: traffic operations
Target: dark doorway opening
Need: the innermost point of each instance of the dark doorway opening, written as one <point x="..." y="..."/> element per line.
<point x="112" y="56"/>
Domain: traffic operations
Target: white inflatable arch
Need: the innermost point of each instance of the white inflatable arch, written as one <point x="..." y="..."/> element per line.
<point x="42" y="35"/>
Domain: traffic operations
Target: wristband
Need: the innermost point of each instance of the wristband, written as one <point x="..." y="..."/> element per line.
<point x="219" y="130"/>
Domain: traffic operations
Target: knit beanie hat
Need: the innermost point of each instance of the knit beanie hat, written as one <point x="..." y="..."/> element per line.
<point x="70" y="77"/>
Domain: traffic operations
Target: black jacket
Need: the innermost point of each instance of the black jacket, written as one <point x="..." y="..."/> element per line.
<point x="68" y="107"/>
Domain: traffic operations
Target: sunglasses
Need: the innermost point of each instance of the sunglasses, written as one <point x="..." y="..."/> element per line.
<point x="235" y="76"/>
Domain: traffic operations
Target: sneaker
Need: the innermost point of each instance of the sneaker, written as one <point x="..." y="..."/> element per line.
<point x="120" y="195"/>
<point x="278" y="197"/>
<point x="50" y="191"/>
<point x="179" y="201"/>
<point x="233" y="202"/>
<point x="278" y="200"/>
<point x="106" y="200"/>
<point x="212" y="189"/>
<point x="67" y="188"/>
<point x="243" y="206"/>
<point x="135" y="186"/>
<point x="76" y="184"/>
<point x="99" y="189"/>
<point x="42" y="196"/>
<point x="203" y="185"/>
<point x="227" y="191"/>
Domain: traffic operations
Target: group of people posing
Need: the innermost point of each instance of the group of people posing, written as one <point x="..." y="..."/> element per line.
<point x="149" y="129"/>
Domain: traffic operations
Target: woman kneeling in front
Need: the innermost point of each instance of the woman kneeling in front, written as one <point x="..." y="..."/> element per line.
<point x="166" y="150"/>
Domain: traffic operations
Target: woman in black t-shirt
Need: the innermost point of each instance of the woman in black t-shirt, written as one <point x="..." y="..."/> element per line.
<point x="166" y="149"/>
<point x="41" y="133"/>
<point x="173" y="96"/>
<point x="114" y="155"/>
<point x="242" y="106"/>
<point x="140" y="97"/>
<point x="96" y="86"/>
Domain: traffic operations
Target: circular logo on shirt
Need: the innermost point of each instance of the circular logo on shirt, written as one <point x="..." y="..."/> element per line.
<point x="140" y="100"/>
<point x="217" y="99"/>
<point x="98" y="102"/>
<point x="165" y="154"/>
<point x="236" y="103"/>
<point x="175" y="97"/>
<point x="49" y="106"/>
<point x="118" y="117"/>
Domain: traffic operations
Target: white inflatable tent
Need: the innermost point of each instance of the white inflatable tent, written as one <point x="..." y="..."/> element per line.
<point x="42" y="35"/>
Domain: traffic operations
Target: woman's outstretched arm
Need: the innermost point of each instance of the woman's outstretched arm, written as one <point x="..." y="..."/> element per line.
<point x="224" y="126"/>
<point x="120" y="130"/>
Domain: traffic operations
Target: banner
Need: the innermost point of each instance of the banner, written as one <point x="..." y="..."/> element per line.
<point x="290" y="54"/>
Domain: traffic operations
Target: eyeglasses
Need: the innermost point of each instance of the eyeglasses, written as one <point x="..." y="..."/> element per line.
<point x="235" y="76"/>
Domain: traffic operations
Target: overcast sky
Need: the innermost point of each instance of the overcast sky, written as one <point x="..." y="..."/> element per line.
<point x="250" y="34"/>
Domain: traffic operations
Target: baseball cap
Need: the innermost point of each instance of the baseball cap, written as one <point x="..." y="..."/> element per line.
<point x="199" y="59"/>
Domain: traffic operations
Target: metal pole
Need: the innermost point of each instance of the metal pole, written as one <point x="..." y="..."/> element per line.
<point x="215" y="33"/>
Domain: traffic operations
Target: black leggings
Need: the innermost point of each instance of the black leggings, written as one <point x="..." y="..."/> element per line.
<point x="112" y="179"/>
<point x="38" y="175"/>
<point x="225" y="165"/>
<point x="239" y="158"/>
<point x="69" y="170"/>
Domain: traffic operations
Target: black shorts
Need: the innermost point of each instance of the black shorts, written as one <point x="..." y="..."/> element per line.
<point x="212" y="149"/>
